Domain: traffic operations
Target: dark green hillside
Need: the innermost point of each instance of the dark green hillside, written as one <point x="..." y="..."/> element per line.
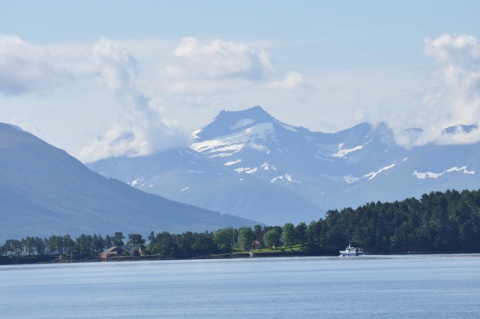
<point x="44" y="191"/>
<point x="437" y="222"/>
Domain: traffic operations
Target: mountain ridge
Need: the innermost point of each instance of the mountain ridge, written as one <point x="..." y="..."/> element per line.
<point x="318" y="171"/>
<point x="45" y="191"/>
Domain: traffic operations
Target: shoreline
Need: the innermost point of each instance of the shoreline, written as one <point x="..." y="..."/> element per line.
<point x="23" y="260"/>
<point x="26" y="260"/>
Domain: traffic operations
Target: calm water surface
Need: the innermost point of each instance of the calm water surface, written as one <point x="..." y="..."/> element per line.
<point x="367" y="287"/>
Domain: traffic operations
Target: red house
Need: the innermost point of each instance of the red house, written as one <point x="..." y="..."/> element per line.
<point x="256" y="244"/>
<point x="112" y="252"/>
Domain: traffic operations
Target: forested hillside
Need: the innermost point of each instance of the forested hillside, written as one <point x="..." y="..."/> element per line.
<point x="438" y="222"/>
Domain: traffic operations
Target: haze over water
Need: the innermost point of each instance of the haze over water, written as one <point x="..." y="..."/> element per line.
<point x="429" y="286"/>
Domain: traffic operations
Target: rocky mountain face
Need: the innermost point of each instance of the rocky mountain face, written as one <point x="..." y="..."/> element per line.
<point x="44" y="191"/>
<point x="249" y="164"/>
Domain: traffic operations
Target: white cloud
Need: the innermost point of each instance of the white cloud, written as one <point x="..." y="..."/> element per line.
<point x="117" y="69"/>
<point x="460" y="50"/>
<point x="132" y="139"/>
<point x="151" y="98"/>
<point x="26" y="68"/>
<point x="138" y="129"/>
<point x="291" y="81"/>
<point x="452" y="96"/>
<point x="156" y="90"/>
<point x="219" y="59"/>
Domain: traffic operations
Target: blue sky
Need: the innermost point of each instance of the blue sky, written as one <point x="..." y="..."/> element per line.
<point x="106" y="78"/>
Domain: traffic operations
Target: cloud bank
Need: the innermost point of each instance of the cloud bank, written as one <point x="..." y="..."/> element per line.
<point x="145" y="90"/>
<point x="153" y="86"/>
<point x="218" y="59"/>
<point x="292" y="80"/>
<point x="137" y="128"/>
<point x="27" y="68"/>
<point x="451" y="98"/>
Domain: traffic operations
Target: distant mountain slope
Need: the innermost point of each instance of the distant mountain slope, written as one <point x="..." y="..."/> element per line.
<point x="248" y="163"/>
<point x="190" y="177"/>
<point x="45" y="191"/>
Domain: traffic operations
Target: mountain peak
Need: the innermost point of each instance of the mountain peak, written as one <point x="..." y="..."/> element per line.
<point x="250" y="164"/>
<point x="256" y="113"/>
<point x="460" y="128"/>
<point x="227" y="122"/>
<point x="12" y="125"/>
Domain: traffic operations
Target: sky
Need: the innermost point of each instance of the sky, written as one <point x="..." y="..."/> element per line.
<point x="113" y="78"/>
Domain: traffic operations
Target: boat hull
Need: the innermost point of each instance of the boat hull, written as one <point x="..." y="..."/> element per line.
<point x="351" y="252"/>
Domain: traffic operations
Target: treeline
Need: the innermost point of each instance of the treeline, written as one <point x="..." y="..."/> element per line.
<point x="437" y="222"/>
<point x="163" y="244"/>
<point x="83" y="246"/>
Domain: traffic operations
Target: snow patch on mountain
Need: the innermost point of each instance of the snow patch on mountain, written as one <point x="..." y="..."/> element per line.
<point x="426" y="175"/>
<point x="266" y="166"/>
<point x="260" y="130"/>
<point x="232" y="162"/>
<point x="228" y="150"/>
<point x="383" y="169"/>
<point x="139" y="183"/>
<point x="324" y="152"/>
<point x="228" y="145"/>
<point x="289" y="128"/>
<point x="258" y="147"/>
<point x="215" y="146"/>
<point x="285" y="177"/>
<point x="247" y="170"/>
<point x="342" y="152"/>
<point x="242" y="123"/>
<point x="349" y="179"/>
<point x="135" y="182"/>
<point x="464" y="169"/>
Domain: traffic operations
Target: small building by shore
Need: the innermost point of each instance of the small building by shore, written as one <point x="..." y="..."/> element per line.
<point x="256" y="244"/>
<point x="113" y="252"/>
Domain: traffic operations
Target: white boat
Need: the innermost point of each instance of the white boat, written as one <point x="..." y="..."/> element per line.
<point x="351" y="251"/>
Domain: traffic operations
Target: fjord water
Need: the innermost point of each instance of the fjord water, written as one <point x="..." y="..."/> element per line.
<point x="424" y="286"/>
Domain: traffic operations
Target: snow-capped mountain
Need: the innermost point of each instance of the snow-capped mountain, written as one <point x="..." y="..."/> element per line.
<point x="249" y="164"/>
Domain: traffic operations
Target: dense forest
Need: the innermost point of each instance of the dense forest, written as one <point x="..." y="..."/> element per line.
<point x="444" y="222"/>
